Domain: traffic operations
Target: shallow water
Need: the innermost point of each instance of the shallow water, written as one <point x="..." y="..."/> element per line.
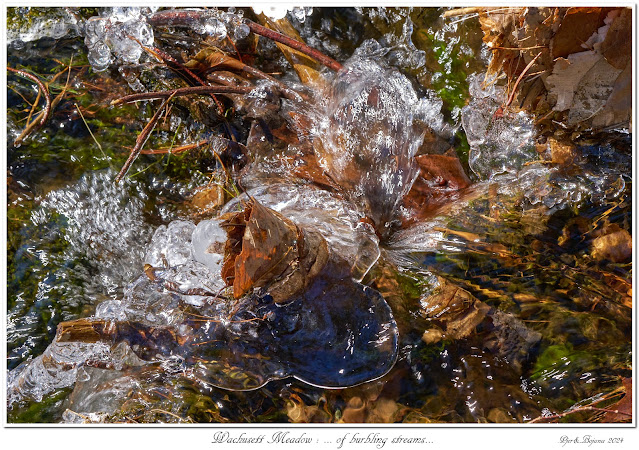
<point x="493" y="309"/>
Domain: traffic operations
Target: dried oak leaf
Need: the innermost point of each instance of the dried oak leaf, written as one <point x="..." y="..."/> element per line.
<point x="272" y="253"/>
<point x="618" y="107"/>
<point x="498" y="27"/>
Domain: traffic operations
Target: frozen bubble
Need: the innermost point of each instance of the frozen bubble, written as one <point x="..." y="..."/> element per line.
<point x="100" y="57"/>
<point x="125" y="13"/>
<point x="208" y="243"/>
<point x="499" y="143"/>
<point x="241" y="31"/>
<point x="273" y="12"/>
<point x="110" y="309"/>
<point x="94" y="31"/>
<point x="299" y="14"/>
<point x="214" y="28"/>
<point x="141" y="31"/>
<point x="170" y="246"/>
<point x="122" y="31"/>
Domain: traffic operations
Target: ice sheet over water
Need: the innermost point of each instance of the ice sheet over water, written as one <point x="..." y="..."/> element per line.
<point x="102" y="223"/>
<point x="58" y="367"/>
<point x="499" y="143"/>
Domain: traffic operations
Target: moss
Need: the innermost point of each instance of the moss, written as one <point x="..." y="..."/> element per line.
<point x="48" y="410"/>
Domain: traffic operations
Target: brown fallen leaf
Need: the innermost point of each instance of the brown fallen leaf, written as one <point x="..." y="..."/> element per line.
<point x="618" y="108"/>
<point x="440" y="177"/>
<point x="306" y="67"/>
<point x="562" y="153"/>
<point x="208" y="197"/>
<point x="455" y="310"/>
<point x="575" y="28"/>
<point x="617" y="46"/>
<point x="622" y="410"/>
<point x="265" y="249"/>
<point x="615" y="245"/>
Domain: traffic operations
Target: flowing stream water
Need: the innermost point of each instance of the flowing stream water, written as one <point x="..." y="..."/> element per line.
<point x="493" y="307"/>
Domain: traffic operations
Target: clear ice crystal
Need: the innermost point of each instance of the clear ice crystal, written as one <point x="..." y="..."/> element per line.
<point x="208" y="245"/>
<point x="56" y="368"/>
<point x="499" y="143"/>
<point x="369" y="129"/>
<point x="118" y="33"/>
<point x="171" y="245"/>
<point x="55" y="24"/>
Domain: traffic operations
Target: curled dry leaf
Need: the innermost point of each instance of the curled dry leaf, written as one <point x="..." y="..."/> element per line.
<point x="615" y="245"/>
<point x="440" y="177"/>
<point x="455" y="310"/>
<point x="266" y="250"/>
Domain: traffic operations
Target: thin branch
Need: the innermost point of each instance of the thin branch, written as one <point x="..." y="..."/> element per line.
<point x="521" y="76"/>
<point x="180" y="92"/>
<point x="141" y="140"/>
<point x="188" y="18"/>
<point x="37" y="123"/>
<point x="475" y="10"/>
<point x="219" y="60"/>
<point x="297" y="45"/>
<point x="176" y="150"/>
<point x="43" y="90"/>
<point x="169" y="59"/>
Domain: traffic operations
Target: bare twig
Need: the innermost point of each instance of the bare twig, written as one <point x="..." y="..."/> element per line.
<point x="189" y="18"/>
<point x="521" y="76"/>
<point x="475" y="10"/>
<point x="576" y="410"/>
<point x="220" y="60"/>
<point x="176" y="150"/>
<point x="43" y="90"/>
<point x="297" y="45"/>
<point x="169" y="59"/>
<point x="140" y="141"/>
<point x="37" y="123"/>
<point x="191" y="90"/>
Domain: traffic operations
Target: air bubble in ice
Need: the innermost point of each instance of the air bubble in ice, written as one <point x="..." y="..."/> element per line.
<point x="208" y="245"/>
<point x="170" y="246"/>
<point x="214" y="28"/>
<point x="241" y="31"/>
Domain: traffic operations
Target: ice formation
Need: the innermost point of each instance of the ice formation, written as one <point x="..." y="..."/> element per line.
<point x="499" y="143"/>
<point x="367" y="133"/>
<point x="117" y="34"/>
<point x="55" y="24"/>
